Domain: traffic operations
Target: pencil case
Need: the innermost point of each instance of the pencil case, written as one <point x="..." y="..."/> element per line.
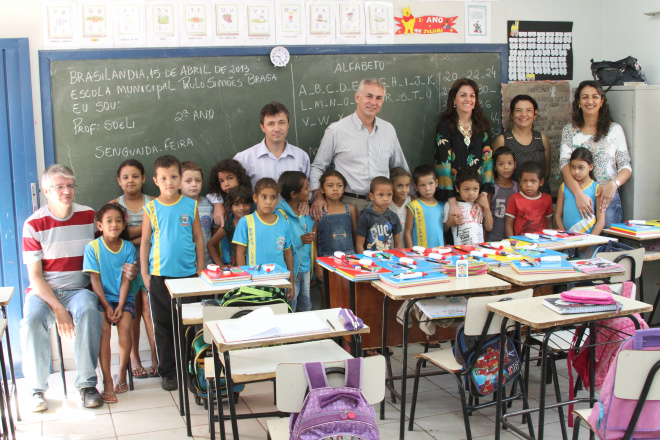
<point x="349" y="320"/>
<point x="588" y="297"/>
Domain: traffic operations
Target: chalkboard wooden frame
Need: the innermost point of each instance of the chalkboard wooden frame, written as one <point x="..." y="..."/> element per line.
<point x="46" y="57"/>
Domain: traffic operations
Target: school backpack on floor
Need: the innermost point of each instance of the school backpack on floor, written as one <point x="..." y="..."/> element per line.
<point x="254" y="296"/>
<point x="482" y="380"/>
<point x="611" y="415"/>
<point x="199" y="351"/>
<point x="334" y="412"/>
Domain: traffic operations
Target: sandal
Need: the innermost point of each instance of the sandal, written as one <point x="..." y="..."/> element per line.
<point x="109" y="397"/>
<point x="139" y="373"/>
<point x="121" y="388"/>
<point x="153" y="371"/>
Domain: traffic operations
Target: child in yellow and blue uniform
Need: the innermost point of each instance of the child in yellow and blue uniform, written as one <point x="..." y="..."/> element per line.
<point x="295" y="190"/>
<point x="423" y="225"/>
<point x="262" y="237"/>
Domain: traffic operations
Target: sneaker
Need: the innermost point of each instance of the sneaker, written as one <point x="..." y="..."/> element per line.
<point x="169" y="384"/>
<point x="91" y="397"/>
<point x="38" y="402"/>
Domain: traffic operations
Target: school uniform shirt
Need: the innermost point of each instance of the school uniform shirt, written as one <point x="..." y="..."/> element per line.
<point x="100" y="259"/>
<point x="172" y="251"/>
<point x="571" y="216"/>
<point x="378" y="229"/>
<point x="470" y="231"/>
<point x="529" y="215"/>
<point x="427" y="223"/>
<point x="265" y="242"/>
<point x="298" y="225"/>
<point x="205" y="209"/>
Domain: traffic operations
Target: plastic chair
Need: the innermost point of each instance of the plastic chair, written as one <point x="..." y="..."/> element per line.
<point x="292" y="387"/>
<point x="476" y="324"/>
<point x="633" y="260"/>
<point x="634" y="380"/>
<point x="59" y="351"/>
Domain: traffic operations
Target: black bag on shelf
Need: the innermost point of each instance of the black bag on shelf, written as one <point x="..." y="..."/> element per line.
<point x="615" y="73"/>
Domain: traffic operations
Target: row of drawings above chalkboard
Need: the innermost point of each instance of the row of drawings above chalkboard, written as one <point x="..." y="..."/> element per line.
<point x="73" y="24"/>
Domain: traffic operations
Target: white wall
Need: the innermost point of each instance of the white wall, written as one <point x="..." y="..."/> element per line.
<point x="596" y="34"/>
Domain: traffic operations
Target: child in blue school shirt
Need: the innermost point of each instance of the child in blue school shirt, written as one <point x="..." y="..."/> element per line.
<point x="295" y="190"/>
<point x="262" y="237"/>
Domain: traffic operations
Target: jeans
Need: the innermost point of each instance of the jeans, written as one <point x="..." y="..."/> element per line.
<point x="614" y="213"/>
<point x="301" y="301"/>
<point x="35" y="337"/>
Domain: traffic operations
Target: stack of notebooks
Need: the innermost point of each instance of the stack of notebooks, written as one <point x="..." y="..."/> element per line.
<point x="266" y="272"/>
<point x="540" y="267"/>
<point x="557" y="237"/>
<point x="235" y="275"/>
<point x="635" y="230"/>
<point x="597" y="265"/>
<point x="566" y="308"/>
<point x="538" y="252"/>
<point x="351" y="269"/>
<point x="474" y="268"/>
<point x="443" y="307"/>
<point x="413" y="278"/>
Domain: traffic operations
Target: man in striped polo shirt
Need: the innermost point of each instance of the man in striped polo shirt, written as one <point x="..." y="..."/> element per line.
<point x="54" y="240"/>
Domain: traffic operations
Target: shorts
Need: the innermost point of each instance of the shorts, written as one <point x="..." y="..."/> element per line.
<point x="136" y="285"/>
<point x="128" y="307"/>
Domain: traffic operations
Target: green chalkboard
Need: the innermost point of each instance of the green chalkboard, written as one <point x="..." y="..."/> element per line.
<point x="206" y="108"/>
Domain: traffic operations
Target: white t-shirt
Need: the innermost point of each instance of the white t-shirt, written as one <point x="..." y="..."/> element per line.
<point x="400" y="211"/>
<point x="471" y="231"/>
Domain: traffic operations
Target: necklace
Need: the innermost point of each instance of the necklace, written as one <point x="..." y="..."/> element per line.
<point x="466" y="132"/>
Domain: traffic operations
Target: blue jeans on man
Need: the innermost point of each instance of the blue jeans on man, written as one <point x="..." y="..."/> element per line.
<point x="35" y="337"/>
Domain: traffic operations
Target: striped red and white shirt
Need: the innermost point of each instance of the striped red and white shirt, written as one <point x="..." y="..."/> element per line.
<point x="59" y="243"/>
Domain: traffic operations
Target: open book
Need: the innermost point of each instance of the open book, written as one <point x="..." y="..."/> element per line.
<point x="262" y="323"/>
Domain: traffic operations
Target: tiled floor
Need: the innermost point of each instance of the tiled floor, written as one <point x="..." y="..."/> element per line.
<point x="148" y="412"/>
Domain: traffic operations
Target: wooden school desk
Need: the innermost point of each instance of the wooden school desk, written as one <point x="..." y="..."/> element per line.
<point x="194" y="287"/>
<point x="261" y="364"/>
<point x="473" y="284"/>
<point x="532" y="313"/>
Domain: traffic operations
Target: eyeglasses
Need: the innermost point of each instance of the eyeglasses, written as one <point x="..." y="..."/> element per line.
<point x="60" y="188"/>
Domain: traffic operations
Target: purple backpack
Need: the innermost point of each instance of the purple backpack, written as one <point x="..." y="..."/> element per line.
<point x="611" y="415"/>
<point x="334" y="411"/>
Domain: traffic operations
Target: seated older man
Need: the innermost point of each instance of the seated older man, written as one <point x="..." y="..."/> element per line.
<point x="54" y="240"/>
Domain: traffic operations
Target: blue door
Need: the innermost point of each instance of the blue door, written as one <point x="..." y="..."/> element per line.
<point x="18" y="175"/>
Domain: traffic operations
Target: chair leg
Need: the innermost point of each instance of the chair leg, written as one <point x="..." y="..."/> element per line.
<point x="209" y="393"/>
<point x="413" y="404"/>
<point x="464" y="406"/>
<point x="129" y="373"/>
<point x="59" y="351"/>
<point x="576" y="428"/>
<point x="562" y="422"/>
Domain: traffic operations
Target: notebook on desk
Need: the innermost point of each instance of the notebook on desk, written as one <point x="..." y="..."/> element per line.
<point x="262" y="323"/>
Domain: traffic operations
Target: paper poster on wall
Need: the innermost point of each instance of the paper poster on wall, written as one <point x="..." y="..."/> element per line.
<point x="553" y="98"/>
<point x="162" y="18"/>
<point x="321" y="22"/>
<point x="350" y="22"/>
<point x="61" y="25"/>
<point x="540" y="50"/>
<point x="260" y="22"/>
<point x="380" y="22"/>
<point x="477" y="23"/>
<point x="95" y="22"/>
<point x="429" y="23"/>
<point x="129" y="29"/>
<point x="230" y="25"/>
<point x="290" y="22"/>
<point x="196" y="24"/>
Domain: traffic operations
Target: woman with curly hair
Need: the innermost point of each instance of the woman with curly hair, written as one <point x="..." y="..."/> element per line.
<point x="592" y="128"/>
<point x="463" y="140"/>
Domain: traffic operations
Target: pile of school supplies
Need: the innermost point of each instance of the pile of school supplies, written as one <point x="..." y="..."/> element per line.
<point x="582" y="301"/>
<point x="634" y="229"/>
<point x="533" y="252"/>
<point x="444" y="307"/>
<point x="266" y="272"/>
<point x="549" y="238"/>
<point x="352" y="267"/>
<point x="410" y="279"/>
<point x="545" y="265"/>
<point x="474" y="268"/>
<point x="597" y="265"/>
<point x="231" y="275"/>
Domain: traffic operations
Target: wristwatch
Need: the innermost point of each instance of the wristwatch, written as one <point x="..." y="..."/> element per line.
<point x="617" y="183"/>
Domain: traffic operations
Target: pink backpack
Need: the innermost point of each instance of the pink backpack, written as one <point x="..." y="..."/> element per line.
<point x="611" y="415"/>
<point x="606" y="331"/>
